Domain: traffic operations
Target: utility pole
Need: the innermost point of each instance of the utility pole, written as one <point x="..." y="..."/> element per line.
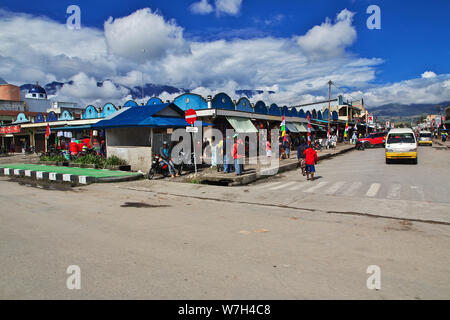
<point x="329" y="109"/>
<point x="142" y="79"/>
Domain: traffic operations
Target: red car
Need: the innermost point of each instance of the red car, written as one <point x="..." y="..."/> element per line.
<point x="374" y="139"/>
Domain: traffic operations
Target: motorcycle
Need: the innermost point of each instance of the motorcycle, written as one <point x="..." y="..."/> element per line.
<point x="160" y="167"/>
<point x="360" y="145"/>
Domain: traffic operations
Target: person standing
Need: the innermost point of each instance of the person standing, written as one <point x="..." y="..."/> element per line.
<point x="311" y="160"/>
<point x="237" y="156"/>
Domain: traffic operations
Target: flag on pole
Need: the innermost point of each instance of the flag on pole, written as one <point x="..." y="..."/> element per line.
<point x="346" y="129"/>
<point x="309" y="131"/>
<point x="283" y="127"/>
<point x="47" y="132"/>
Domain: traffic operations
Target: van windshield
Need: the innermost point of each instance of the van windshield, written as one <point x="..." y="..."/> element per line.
<point x="425" y="135"/>
<point x="401" y="138"/>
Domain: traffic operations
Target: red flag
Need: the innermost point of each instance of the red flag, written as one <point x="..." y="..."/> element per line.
<point x="309" y="131"/>
<point x="47" y="132"/>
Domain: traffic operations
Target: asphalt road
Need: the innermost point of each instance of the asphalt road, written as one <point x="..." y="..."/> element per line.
<point x="162" y="240"/>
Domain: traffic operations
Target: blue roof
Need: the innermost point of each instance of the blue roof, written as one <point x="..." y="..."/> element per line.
<point x="143" y="116"/>
<point x="37" y="89"/>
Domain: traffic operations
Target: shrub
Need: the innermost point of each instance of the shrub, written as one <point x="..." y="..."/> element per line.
<point x="115" y="161"/>
<point x="90" y="159"/>
<point x="58" y="158"/>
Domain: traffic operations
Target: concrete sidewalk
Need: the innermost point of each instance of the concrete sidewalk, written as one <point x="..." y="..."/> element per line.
<point x="254" y="172"/>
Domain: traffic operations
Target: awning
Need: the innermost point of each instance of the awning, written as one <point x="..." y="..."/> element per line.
<point x="242" y="125"/>
<point x="144" y="116"/>
<point x="291" y="127"/>
<point x="300" y="127"/>
<point x="72" y="128"/>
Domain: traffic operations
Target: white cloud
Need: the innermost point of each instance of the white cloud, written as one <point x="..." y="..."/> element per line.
<point x="429" y="74"/>
<point x="231" y="7"/>
<point x="412" y="91"/>
<point x="205" y="67"/>
<point x="144" y="35"/>
<point x="222" y="7"/>
<point x="201" y="7"/>
<point x="84" y="88"/>
<point x="330" y="39"/>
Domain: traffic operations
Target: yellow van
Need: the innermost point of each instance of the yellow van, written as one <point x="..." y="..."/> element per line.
<point x="425" y="138"/>
<point x="401" y="143"/>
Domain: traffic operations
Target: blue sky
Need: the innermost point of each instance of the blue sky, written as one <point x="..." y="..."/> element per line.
<point x="413" y="40"/>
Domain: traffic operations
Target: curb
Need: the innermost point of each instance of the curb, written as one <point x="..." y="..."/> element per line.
<point x="60" y="177"/>
<point x="269" y="172"/>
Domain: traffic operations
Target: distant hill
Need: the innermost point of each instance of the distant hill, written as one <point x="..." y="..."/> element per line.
<point x="396" y="110"/>
<point x="150" y="89"/>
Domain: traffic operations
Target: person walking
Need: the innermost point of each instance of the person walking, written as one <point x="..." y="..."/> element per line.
<point x="301" y="156"/>
<point x="287" y="146"/>
<point x="311" y="160"/>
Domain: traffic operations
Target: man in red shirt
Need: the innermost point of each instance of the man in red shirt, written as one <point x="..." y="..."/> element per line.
<point x="237" y="155"/>
<point x="311" y="159"/>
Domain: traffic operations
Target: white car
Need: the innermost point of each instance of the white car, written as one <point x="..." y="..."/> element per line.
<point x="401" y="143"/>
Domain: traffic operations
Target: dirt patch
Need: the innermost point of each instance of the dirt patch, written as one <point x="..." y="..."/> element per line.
<point x="402" y="225"/>
<point x="142" y="205"/>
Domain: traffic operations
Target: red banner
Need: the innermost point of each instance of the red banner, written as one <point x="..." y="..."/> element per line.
<point x="10" y="129"/>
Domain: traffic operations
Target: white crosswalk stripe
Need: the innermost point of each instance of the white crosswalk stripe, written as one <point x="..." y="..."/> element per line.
<point x="283" y="185"/>
<point x="299" y="185"/>
<point x="394" y="192"/>
<point x="317" y="186"/>
<point x="266" y="185"/>
<point x="373" y="190"/>
<point x="354" y="187"/>
<point x="335" y="187"/>
<point x="419" y="192"/>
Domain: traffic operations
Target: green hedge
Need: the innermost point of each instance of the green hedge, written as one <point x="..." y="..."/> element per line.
<point x="99" y="161"/>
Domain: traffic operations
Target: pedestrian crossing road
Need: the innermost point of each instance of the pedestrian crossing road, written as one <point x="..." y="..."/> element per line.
<point x="364" y="174"/>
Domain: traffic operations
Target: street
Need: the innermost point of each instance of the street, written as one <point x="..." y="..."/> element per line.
<point x="279" y="238"/>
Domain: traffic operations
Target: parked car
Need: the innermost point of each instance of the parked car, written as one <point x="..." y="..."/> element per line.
<point x="377" y="139"/>
<point x="425" y="138"/>
<point x="401" y="144"/>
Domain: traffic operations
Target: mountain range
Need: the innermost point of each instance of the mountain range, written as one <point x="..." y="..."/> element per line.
<point x="391" y="110"/>
<point x="149" y="89"/>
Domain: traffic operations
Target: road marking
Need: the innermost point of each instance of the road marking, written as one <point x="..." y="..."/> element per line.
<point x="354" y="187"/>
<point x="419" y="191"/>
<point x="263" y="185"/>
<point x="394" y="192"/>
<point x="373" y="190"/>
<point x="316" y="187"/>
<point x="283" y="185"/>
<point x="335" y="187"/>
<point x="298" y="186"/>
<point x="82" y="179"/>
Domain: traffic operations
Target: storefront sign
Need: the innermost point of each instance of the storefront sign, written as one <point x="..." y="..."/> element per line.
<point x="10" y="129"/>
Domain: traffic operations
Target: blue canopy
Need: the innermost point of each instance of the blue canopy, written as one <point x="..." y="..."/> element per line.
<point x="146" y="116"/>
